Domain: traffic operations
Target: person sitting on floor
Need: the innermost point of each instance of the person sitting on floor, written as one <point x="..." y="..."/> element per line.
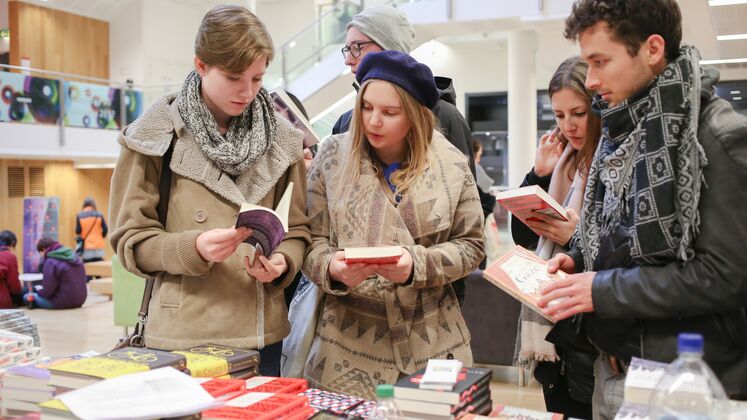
<point x="64" y="281"/>
<point x="9" y="283"/>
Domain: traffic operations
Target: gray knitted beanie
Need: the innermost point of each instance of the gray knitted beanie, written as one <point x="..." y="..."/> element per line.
<point x="386" y="26"/>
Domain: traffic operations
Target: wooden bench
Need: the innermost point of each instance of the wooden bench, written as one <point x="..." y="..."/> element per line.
<point x="102" y="286"/>
<point x="99" y="269"/>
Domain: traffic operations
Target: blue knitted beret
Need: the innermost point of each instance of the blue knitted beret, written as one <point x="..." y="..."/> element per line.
<point x="402" y="70"/>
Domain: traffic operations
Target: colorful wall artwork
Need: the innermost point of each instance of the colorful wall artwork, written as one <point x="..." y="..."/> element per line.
<point x="28" y="99"/>
<point x="40" y="218"/>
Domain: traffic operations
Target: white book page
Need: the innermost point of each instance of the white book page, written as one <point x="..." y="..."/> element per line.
<point x="163" y="392"/>
<point x="528" y="276"/>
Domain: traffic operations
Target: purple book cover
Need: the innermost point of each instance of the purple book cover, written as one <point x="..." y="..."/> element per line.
<point x="267" y="230"/>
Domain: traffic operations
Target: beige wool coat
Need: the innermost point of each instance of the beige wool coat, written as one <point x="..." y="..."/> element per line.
<point x="194" y="301"/>
<point x="378" y="331"/>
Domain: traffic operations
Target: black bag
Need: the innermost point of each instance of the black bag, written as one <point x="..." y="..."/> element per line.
<point x="80" y="245"/>
<point x="137" y="338"/>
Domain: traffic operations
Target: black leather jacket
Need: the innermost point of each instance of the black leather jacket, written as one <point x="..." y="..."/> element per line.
<point x="640" y="310"/>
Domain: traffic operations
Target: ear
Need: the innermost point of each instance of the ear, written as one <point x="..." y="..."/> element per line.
<point x="655" y="49"/>
<point x="200" y="67"/>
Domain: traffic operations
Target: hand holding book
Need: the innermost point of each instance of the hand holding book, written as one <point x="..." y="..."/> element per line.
<point x="216" y="245"/>
<point x="266" y="270"/>
<point x="556" y="230"/>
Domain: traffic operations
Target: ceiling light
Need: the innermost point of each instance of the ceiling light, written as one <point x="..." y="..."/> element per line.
<point x="731" y="37"/>
<point x="725" y="2"/>
<point x="725" y="61"/>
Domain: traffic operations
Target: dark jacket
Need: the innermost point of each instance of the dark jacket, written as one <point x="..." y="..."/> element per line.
<point x="577" y="355"/>
<point x="9" y="283"/>
<point x="64" y="279"/>
<point x="453" y="125"/>
<point x="640" y="310"/>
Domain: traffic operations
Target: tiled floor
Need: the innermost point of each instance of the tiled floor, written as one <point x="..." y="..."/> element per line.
<point x="73" y="331"/>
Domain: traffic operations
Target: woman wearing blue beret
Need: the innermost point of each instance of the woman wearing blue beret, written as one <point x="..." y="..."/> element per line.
<point x="393" y="179"/>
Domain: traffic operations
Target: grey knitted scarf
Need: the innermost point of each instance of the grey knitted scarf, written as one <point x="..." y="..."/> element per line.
<point x="248" y="136"/>
<point x="649" y="169"/>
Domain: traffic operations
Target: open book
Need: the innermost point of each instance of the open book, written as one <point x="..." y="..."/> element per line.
<point x="522" y="274"/>
<point x="522" y="201"/>
<point x="268" y="226"/>
<point x="373" y="254"/>
<point x="284" y="106"/>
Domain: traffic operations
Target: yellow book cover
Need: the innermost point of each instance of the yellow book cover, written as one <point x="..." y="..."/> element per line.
<point x="54" y="404"/>
<point x="213" y="360"/>
<point x="119" y="362"/>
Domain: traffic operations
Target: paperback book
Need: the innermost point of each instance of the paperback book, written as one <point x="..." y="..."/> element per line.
<point x="373" y="254"/>
<point x="441" y="374"/>
<point x="523" y="275"/>
<point x="523" y="201"/>
<point x="641" y="380"/>
<point x="268" y="226"/>
<point x="285" y="106"/>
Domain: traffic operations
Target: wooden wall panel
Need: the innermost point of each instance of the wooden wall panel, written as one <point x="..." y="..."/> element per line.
<point x="58" y="41"/>
<point x="61" y="179"/>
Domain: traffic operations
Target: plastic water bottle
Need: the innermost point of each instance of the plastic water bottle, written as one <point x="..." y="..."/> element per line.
<point x="688" y="389"/>
<point x="386" y="408"/>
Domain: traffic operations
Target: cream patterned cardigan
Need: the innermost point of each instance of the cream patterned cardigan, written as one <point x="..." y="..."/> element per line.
<point x="379" y="331"/>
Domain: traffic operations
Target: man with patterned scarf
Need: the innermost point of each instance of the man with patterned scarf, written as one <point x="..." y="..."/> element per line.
<point x="659" y="247"/>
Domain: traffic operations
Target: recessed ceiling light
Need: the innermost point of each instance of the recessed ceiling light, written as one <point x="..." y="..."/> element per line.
<point x="733" y="37"/>
<point x="725" y="2"/>
<point x="725" y="61"/>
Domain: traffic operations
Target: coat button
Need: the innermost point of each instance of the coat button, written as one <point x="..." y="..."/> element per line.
<point x="200" y="216"/>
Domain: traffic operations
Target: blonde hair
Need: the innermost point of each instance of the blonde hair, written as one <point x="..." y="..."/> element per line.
<point x="232" y="37"/>
<point x="417" y="140"/>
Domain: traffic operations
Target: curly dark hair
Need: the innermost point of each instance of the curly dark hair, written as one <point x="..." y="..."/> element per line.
<point x="630" y="21"/>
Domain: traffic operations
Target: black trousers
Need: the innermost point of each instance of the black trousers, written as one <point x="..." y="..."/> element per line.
<point x="558" y="397"/>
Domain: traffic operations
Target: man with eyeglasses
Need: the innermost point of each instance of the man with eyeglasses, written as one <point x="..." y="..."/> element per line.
<point x="380" y="28"/>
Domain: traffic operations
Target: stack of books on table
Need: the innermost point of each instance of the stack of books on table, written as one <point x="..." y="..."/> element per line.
<point x="470" y="394"/>
<point x="77" y="373"/>
<point x="338" y="405"/>
<point x="16" y="321"/>
<point x="214" y="361"/>
<point x="17" y="396"/>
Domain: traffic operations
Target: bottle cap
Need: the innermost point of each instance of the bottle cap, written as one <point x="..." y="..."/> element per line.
<point x="690" y="342"/>
<point x="384" y="391"/>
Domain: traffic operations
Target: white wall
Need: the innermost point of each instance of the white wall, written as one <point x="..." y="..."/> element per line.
<point x="286" y="18"/>
<point x="126" y="58"/>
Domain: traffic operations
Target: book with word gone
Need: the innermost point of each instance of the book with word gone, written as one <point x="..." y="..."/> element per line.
<point x="268" y="226"/>
<point x="523" y="275"/>
<point x="373" y="254"/>
<point x="521" y="202"/>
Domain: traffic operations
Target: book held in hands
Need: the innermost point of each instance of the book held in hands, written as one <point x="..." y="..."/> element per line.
<point x="523" y="275"/>
<point x="521" y="202"/>
<point x="268" y="226"/>
<point x="373" y="254"/>
<point x="285" y="106"/>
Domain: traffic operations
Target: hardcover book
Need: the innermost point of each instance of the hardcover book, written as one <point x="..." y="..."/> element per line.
<point x="285" y="106"/>
<point x="81" y="372"/>
<point x="471" y="381"/>
<point x="522" y="274"/>
<point x="522" y="201"/>
<point x="268" y="226"/>
<point x="373" y="254"/>
<point x="213" y="360"/>
<point x="467" y="405"/>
